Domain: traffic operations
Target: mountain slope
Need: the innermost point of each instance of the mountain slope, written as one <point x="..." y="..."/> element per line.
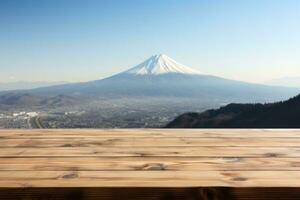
<point x="274" y="115"/>
<point x="23" y="85"/>
<point x="161" y="76"/>
<point x="26" y="99"/>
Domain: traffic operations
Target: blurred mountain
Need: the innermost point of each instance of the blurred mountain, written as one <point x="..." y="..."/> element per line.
<point x="161" y="76"/>
<point x="23" y="85"/>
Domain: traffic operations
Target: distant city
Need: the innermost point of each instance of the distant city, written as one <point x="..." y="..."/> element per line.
<point x="101" y="116"/>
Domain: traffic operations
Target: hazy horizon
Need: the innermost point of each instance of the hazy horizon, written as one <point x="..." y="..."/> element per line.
<point x="77" y="41"/>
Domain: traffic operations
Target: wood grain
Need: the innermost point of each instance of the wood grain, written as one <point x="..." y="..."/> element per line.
<point x="148" y="141"/>
<point x="152" y="151"/>
<point x="163" y="178"/>
<point x="148" y="164"/>
<point x="149" y="158"/>
<point x="119" y="133"/>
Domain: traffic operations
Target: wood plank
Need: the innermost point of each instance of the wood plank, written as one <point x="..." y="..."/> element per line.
<point x="151" y="142"/>
<point x="119" y="133"/>
<point x="148" y="164"/>
<point x="149" y="158"/>
<point x="11" y="179"/>
<point x="152" y="151"/>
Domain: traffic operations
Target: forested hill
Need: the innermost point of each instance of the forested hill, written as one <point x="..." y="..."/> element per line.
<point x="284" y="114"/>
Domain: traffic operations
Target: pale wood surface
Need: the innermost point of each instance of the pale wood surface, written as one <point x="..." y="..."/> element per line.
<point x="150" y="158"/>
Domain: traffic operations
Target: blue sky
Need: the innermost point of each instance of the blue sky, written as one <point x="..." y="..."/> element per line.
<point x="76" y="40"/>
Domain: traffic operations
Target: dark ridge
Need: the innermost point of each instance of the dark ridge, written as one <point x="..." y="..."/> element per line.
<point x="283" y="114"/>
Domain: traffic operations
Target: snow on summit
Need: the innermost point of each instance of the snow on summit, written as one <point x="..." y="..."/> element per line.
<point x="161" y="64"/>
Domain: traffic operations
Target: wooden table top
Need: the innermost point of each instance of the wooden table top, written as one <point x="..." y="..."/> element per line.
<point x="150" y="158"/>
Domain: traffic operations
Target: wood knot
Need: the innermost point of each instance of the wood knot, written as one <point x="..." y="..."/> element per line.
<point x="67" y="145"/>
<point x="153" y="167"/>
<point x="239" y="179"/>
<point x="271" y="155"/>
<point x="70" y="176"/>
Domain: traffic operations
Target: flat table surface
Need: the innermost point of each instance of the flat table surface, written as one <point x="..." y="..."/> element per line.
<point x="149" y="158"/>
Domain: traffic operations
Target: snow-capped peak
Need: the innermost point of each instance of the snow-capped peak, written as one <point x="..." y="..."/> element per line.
<point x="161" y="64"/>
